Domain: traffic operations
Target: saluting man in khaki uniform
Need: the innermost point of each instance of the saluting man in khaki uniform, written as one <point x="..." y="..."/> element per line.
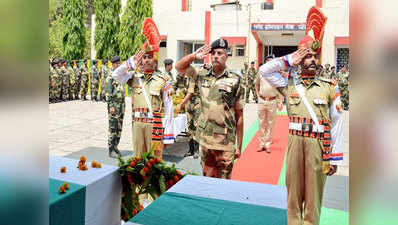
<point x="147" y="100"/>
<point x="268" y="102"/>
<point x="220" y="123"/>
<point x="315" y="138"/>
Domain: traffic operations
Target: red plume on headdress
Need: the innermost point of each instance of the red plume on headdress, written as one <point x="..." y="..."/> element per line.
<point x="315" y="27"/>
<point x="151" y="32"/>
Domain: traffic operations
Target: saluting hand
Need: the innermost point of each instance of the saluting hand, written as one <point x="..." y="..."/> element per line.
<point x="299" y="55"/>
<point x="202" y="52"/>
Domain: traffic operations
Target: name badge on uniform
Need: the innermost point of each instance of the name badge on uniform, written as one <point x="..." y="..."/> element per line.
<point x="319" y="101"/>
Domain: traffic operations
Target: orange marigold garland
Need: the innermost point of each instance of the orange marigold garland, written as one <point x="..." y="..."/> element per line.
<point x="146" y="175"/>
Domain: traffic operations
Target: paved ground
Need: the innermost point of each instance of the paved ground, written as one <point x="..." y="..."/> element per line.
<point x="80" y="127"/>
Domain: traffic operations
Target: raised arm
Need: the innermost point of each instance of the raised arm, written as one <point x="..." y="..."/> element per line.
<point x="270" y="70"/>
<point x="183" y="64"/>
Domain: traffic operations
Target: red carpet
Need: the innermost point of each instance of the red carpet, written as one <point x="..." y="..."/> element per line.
<point x="262" y="167"/>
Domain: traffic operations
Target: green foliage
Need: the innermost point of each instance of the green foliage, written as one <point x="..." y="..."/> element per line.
<point x="55" y="35"/>
<point x="74" y="38"/>
<point x="107" y="25"/>
<point x="130" y="35"/>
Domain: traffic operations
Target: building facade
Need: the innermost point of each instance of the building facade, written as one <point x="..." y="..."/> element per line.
<point x="253" y="28"/>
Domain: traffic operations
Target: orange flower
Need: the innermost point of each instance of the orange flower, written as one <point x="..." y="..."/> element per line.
<point x="94" y="164"/>
<point x="83" y="159"/>
<point x="179" y="173"/>
<point x="63" y="169"/>
<point x="176" y="179"/>
<point x="152" y="161"/>
<point x="142" y="172"/>
<point x="99" y="165"/>
<point x="146" y="169"/>
<point x="132" y="163"/>
<point x="157" y="160"/>
<point x="66" y="186"/>
<point x="61" y="189"/>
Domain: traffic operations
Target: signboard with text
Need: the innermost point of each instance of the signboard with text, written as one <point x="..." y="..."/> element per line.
<point x="278" y="26"/>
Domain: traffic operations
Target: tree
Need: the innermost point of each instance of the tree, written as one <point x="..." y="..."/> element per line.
<point x="107" y="25"/>
<point x="74" y="38"/>
<point x="130" y="35"/>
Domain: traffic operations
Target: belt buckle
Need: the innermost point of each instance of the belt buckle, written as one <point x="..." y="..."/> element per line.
<point x="307" y="127"/>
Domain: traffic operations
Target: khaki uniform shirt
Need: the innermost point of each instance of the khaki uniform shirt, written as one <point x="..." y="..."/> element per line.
<point x="154" y="85"/>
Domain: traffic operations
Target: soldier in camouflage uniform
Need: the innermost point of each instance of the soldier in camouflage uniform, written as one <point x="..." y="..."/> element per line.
<point x="52" y="77"/>
<point x="147" y="90"/>
<point x="64" y="73"/>
<point x="168" y="66"/>
<point x="78" y="77"/>
<point x="326" y="72"/>
<point x="250" y="77"/>
<point x="343" y="81"/>
<point x="72" y="81"/>
<point x="315" y="140"/>
<point x="105" y="73"/>
<point x="84" y="80"/>
<point x="180" y="84"/>
<point x="94" y="81"/>
<point x="114" y="92"/>
<point x="220" y="122"/>
<point x="244" y="71"/>
<point x="193" y="112"/>
<point x="57" y="81"/>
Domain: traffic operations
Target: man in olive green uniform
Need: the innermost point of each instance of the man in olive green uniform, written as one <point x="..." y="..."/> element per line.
<point x="52" y="81"/>
<point x="243" y="72"/>
<point x="269" y="101"/>
<point x="343" y="81"/>
<point x="147" y="88"/>
<point x="325" y="73"/>
<point x="84" y="80"/>
<point x="78" y="77"/>
<point x="250" y="77"/>
<point x="58" y="81"/>
<point x="168" y="66"/>
<point x="220" y="122"/>
<point x="105" y="73"/>
<point x="315" y="138"/>
<point x="114" y="92"/>
<point x="193" y="112"/>
<point x="94" y="81"/>
<point x="72" y="81"/>
<point x="180" y="84"/>
<point x="65" y="80"/>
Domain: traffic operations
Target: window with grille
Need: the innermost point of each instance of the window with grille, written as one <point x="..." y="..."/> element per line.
<point x="343" y="57"/>
<point x="191" y="47"/>
<point x="240" y="50"/>
<point x="268" y="5"/>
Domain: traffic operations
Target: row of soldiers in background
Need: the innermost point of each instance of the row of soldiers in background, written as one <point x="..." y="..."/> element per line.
<point x="328" y="72"/>
<point x="70" y="80"/>
<point x="341" y="78"/>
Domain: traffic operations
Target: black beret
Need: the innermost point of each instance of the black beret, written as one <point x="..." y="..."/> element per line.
<point x="168" y="61"/>
<point x="219" y="43"/>
<point x="115" y="59"/>
<point x="252" y="62"/>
